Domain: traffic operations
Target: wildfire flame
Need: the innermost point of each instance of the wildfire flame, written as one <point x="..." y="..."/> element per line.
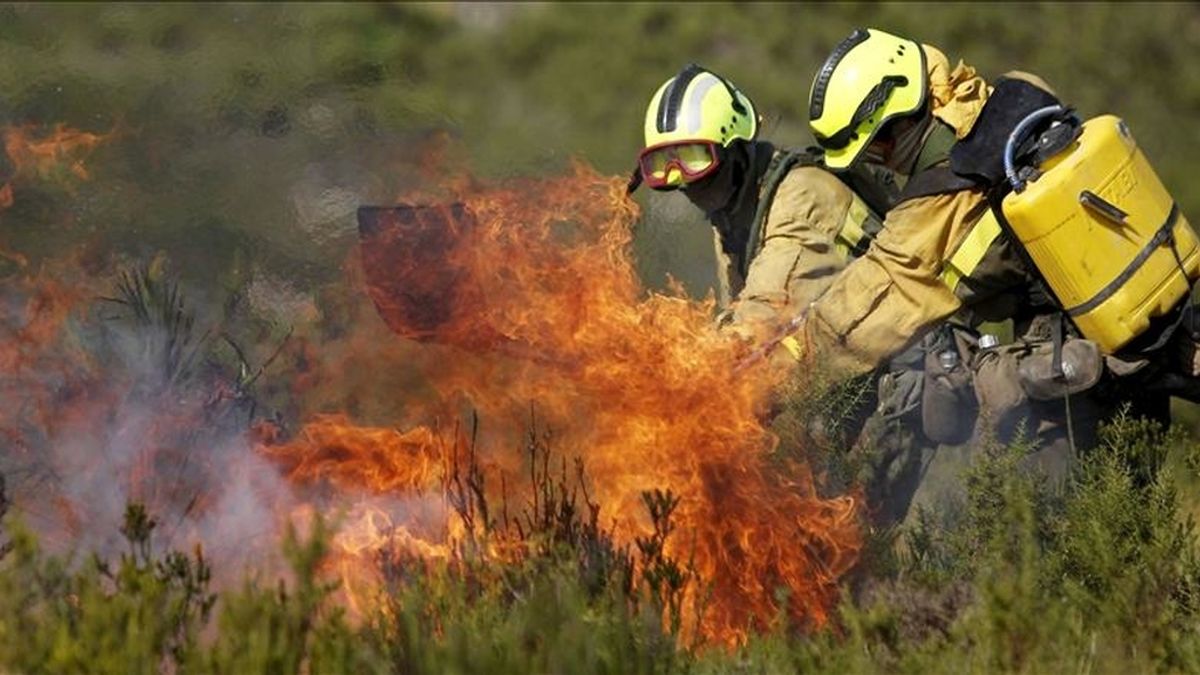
<point x="544" y="305"/>
<point x="34" y="153"/>
<point x="541" y="304"/>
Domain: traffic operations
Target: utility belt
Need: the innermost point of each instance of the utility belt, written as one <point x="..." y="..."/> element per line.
<point x="967" y="375"/>
<point x="929" y="386"/>
<point x="1008" y="377"/>
<point x="954" y="375"/>
<point x="949" y="404"/>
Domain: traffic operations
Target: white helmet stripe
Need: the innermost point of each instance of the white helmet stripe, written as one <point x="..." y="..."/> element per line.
<point x="700" y="87"/>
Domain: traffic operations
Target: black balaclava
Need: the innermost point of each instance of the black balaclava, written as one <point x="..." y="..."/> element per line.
<point x="909" y="142"/>
<point x="716" y="192"/>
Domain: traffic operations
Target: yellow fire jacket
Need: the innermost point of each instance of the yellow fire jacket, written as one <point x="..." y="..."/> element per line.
<point x="812" y="225"/>
<point x="783" y="245"/>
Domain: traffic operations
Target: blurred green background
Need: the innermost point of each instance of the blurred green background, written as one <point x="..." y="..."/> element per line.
<point x="244" y="136"/>
<point x="247" y="133"/>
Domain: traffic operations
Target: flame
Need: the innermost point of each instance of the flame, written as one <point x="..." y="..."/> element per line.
<point x="33" y="153"/>
<point x="541" y="303"/>
<point x="543" y="306"/>
<point x="379" y="460"/>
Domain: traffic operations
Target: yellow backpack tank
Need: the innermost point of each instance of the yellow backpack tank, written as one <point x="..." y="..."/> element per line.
<point x="1104" y="233"/>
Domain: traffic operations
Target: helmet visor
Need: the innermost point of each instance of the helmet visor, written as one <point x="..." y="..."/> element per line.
<point x="671" y="165"/>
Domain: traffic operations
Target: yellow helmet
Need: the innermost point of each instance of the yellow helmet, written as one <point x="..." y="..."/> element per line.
<point x="870" y="78"/>
<point x="689" y="116"/>
<point x="698" y="104"/>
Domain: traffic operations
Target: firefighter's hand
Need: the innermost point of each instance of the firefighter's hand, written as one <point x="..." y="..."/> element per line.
<point x="792" y="346"/>
<point x="788" y="353"/>
<point x="784" y="349"/>
<point x="791" y="343"/>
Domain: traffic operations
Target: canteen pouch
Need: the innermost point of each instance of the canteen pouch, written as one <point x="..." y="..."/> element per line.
<point x="948" y="403"/>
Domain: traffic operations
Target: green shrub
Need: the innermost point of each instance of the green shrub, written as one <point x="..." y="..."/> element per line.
<point x="56" y="616"/>
<point x="1100" y="576"/>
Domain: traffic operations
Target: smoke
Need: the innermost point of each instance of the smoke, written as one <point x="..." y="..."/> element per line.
<point x="120" y="386"/>
<point x="108" y="402"/>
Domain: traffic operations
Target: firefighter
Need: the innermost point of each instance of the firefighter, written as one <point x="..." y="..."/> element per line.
<point x="944" y="255"/>
<point x="783" y="227"/>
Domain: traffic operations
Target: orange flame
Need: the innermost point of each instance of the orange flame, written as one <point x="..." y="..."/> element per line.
<point x="377" y="460"/>
<point x="544" y="306"/>
<point x="33" y="153"/>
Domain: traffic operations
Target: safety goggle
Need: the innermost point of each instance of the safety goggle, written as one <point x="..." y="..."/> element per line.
<point x="671" y="165"/>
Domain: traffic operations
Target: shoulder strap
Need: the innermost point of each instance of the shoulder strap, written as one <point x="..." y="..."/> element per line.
<point x="932" y="174"/>
<point x="935" y="181"/>
<point x="875" y="185"/>
<point x="781" y="163"/>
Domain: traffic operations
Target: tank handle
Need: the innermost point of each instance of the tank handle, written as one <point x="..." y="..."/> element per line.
<point x="1018" y="135"/>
